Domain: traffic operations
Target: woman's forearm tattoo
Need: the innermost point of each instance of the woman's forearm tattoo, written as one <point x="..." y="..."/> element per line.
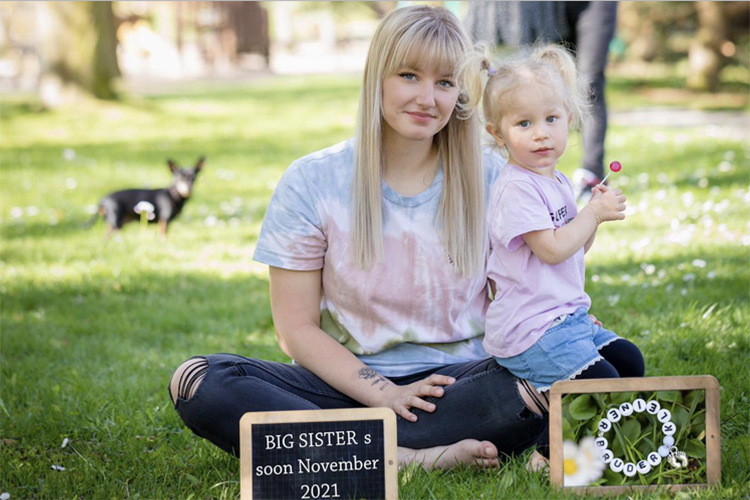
<point x="370" y="374"/>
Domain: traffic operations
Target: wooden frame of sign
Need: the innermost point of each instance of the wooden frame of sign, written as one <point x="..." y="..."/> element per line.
<point x="598" y="386"/>
<point x="316" y="454"/>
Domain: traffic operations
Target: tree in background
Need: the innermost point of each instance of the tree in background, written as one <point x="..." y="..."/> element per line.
<point x="80" y="45"/>
<point x="710" y="34"/>
<point x="711" y="46"/>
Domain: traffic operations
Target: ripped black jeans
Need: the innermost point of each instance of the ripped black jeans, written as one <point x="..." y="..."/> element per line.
<point x="483" y="403"/>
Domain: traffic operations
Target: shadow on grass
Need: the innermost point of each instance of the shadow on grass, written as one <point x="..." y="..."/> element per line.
<point x="190" y="314"/>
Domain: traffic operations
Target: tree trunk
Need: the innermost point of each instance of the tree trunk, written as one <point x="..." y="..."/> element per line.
<point x="80" y="46"/>
<point x="105" y="68"/>
<point x="705" y="59"/>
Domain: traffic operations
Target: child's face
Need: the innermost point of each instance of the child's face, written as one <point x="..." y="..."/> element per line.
<point x="534" y="128"/>
<point x="417" y="103"/>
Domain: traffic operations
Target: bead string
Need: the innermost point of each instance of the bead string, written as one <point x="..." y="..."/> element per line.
<point x="653" y="459"/>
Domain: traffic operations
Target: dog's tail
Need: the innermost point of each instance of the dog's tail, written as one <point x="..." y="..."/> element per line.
<point x="99" y="212"/>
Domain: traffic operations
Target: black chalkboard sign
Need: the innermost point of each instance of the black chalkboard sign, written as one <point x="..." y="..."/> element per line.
<point x="319" y="454"/>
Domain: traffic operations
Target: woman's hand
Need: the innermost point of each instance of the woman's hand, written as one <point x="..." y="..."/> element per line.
<point x="401" y="398"/>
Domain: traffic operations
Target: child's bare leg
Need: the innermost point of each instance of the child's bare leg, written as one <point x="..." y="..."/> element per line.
<point x="467" y="451"/>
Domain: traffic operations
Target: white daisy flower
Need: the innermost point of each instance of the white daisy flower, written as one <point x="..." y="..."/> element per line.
<point x="145" y="207"/>
<point x="582" y="463"/>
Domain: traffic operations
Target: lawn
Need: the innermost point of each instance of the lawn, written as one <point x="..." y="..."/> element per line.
<point x="91" y="330"/>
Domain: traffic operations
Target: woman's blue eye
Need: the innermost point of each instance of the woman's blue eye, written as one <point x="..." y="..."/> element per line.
<point x="408" y="76"/>
<point x="446" y="83"/>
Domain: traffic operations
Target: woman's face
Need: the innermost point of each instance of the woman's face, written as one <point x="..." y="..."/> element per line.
<point x="417" y="103"/>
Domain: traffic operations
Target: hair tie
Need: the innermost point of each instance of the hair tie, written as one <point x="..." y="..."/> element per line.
<point x="491" y="71"/>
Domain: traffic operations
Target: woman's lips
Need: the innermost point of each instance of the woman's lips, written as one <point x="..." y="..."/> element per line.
<point x="420" y="117"/>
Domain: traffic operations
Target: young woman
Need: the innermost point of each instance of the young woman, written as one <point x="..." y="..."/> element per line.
<point x="376" y="249"/>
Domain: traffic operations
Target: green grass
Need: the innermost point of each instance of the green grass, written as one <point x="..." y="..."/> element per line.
<point x="91" y="330"/>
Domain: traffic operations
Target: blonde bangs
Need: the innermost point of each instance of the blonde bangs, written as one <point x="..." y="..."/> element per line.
<point x="426" y="44"/>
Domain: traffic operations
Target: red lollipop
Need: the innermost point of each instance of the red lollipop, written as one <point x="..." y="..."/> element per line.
<point x="615" y="166"/>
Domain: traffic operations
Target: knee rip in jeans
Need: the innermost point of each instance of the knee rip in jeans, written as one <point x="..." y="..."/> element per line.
<point x="187" y="378"/>
<point x="536" y="404"/>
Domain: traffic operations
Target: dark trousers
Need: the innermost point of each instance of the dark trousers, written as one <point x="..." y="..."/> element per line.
<point x="592" y="26"/>
<point x="483" y="403"/>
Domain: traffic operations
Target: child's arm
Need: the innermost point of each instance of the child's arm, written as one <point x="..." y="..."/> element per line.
<point x="596" y="192"/>
<point x="554" y="246"/>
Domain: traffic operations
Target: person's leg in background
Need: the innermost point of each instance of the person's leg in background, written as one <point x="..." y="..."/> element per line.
<point x="592" y="29"/>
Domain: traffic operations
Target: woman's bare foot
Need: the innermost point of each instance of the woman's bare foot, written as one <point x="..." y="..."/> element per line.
<point x="468" y="452"/>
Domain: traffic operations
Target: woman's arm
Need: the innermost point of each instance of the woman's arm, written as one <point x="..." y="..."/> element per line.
<point x="295" y="304"/>
<point x="554" y="246"/>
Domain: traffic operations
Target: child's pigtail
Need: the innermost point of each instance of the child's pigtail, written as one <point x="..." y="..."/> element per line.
<point x="469" y="80"/>
<point x="578" y="92"/>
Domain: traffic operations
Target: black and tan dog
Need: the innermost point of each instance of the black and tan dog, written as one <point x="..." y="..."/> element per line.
<point x="162" y="205"/>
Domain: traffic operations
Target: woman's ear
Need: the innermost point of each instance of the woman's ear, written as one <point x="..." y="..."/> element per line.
<point x="495" y="133"/>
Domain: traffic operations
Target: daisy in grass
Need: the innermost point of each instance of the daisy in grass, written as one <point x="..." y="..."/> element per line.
<point x="582" y="464"/>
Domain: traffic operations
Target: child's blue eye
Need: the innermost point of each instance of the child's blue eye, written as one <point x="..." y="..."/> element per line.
<point x="551" y="119"/>
<point x="524" y="123"/>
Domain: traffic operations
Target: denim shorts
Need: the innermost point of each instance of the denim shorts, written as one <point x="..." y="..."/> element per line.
<point x="563" y="352"/>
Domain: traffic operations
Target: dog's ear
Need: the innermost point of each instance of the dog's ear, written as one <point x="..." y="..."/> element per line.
<point x="199" y="165"/>
<point x="172" y="165"/>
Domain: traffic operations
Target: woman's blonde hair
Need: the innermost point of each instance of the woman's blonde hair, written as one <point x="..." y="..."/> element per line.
<point x="419" y="36"/>
<point x="549" y="65"/>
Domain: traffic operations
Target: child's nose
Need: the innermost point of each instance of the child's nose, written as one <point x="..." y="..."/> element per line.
<point x="541" y="131"/>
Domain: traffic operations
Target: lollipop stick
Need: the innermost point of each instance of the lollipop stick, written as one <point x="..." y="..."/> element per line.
<point x="605" y="177"/>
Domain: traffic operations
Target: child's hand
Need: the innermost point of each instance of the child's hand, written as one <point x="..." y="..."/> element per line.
<point x="594" y="320"/>
<point x="608" y="204"/>
<point x="597" y="191"/>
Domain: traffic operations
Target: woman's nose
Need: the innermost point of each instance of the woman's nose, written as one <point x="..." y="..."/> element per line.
<point x="426" y="96"/>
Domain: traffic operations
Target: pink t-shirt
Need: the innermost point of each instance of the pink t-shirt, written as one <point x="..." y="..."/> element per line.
<point x="529" y="293"/>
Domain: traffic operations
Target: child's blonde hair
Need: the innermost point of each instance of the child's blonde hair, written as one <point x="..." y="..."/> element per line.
<point x="550" y="65"/>
<point x="419" y="36"/>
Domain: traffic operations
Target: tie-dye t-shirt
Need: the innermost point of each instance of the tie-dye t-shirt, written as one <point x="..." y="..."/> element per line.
<point x="411" y="311"/>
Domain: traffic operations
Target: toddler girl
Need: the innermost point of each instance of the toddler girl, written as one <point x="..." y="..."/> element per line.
<point x="538" y="324"/>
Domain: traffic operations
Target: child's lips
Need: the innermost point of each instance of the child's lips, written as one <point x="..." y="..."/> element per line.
<point x="543" y="151"/>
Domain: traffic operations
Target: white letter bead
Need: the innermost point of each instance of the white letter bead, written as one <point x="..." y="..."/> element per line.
<point x="626" y="409"/>
<point x="653" y="407"/>
<point x="664" y="415"/>
<point x="639" y="405"/>
<point x="605" y="425"/>
<point x="663" y="451"/>
<point x="607" y="455"/>
<point x="644" y="467"/>
<point x="654" y="458"/>
<point x="613" y="415"/>
<point x="616" y="465"/>
<point x="630" y="469"/>
<point x="668" y="440"/>
<point x="601" y="442"/>
<point x="668" y="428"/>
